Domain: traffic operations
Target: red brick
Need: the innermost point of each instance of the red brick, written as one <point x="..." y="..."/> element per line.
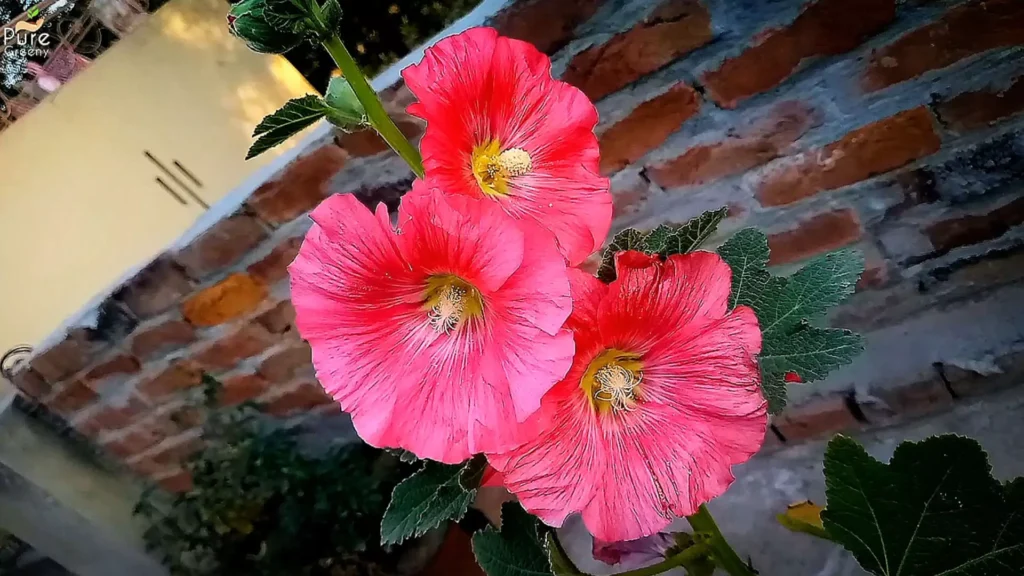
<point x="245" y="342"/>
<point x="817" y="418"/>
<point x="135" y="441"/>
<point x="972" y="110"/>
<point x="304" y="397"/>
<point x="110" y="371"/>
<point x="242" y="388"/>
<point x="868" y="151"/>
<point x="32" y="383"/>
<point x="285" y="365"/>
<point x="302" y="185"/>
<point x="767" y="139"/>
<point x="368" y="143"/>
<point x="177" y="483"/>
<point x="180" y="375"/>
<point x="918" y="398"/>
<point x="962" y="32"/>
<point x="972" y="229"/>
<point x="75" y="352"/>
<point x="175" y="451"/>
<point x="111" y="418"/>
<point x="673" y="29"/>
<point x="646" y="127"/>
<point x="280" y="319"/>
<point x="231" y="298"/>
<point x="274" y="266"/>
<point x="547" y="24"/>
<point x="151" y="342"/>
<point x="221" y="246"/>
<point x="189" y="417"/>
<point x="629" y="198"/>
<point x="71" y="398"/>
<point x="150" y="468"/>
<point x="821" y="233"/>
<point x="158" y="287"/>
<point x="825" y="27"/>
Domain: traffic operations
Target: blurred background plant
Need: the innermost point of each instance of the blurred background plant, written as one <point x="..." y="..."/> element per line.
<point x="263" y="505"/>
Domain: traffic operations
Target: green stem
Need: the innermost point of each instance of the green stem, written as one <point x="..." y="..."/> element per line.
<point x="690" y="554"/>
<point x="721" y="552"/>
<point x="379" y="117"/>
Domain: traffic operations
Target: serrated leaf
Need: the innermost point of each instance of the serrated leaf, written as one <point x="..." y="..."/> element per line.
<point x="425" y="500"/>
<point x="290" y="119"/>
<point x="628" y="239"/>
<point x="514" y="551"/>
<point x="344" y="108"/>
<point x="773" y="386"/>
<point x="558" y="560"/>
<point x="668" y="240"/>
<point x="934" y="509"/>
<point x="804" y="517"/>
<point x="747" y="254"/>
<point x="807" y="294"/>
<point x="811" y="352"/>
<point x="330" y="11"/>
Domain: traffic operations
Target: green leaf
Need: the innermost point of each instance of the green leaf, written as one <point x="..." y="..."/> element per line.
<point x="345" y="110"/>
<point x="933" y="510"/>
<point x="785" y="308"/>
<point x="330" y="11"/>
<point x="514" y="551"/>
<point x="628" y="239"/>
<point x="290" y="119"/>
<point x="558" y="560"/>
<point x="261" y="28"/>
<point x="425" y="500"/>
<point x="665" y="240"/>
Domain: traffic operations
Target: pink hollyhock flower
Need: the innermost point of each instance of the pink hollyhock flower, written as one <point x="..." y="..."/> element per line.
<point x="644" y="551"/>
<point x="662" y="399"/>
<point x="500" y="127"/>
<point x="440" y="336"/>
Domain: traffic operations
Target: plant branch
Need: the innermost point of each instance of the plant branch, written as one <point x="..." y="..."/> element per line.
<point x="379" y="117"/>
<point x="690" y="554"/>
<point x="721" y="552"/>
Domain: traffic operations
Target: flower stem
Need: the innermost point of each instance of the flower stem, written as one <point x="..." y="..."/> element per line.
<point x="379" y="117"/>
<point x="692" y="553"/>
<point x="721" y="552"/>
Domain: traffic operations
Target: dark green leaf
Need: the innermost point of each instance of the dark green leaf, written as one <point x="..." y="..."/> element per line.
<point x="330" y="11"/>
<point x="747" y="254"/>
<point x="628" y="239"/>
<point x="248" y="20"/>
<point x="810" y="352"/>
<point x="558" y="560"/>
<point x="403" y="455"/>
<point x="933" y="510"/>
<point x="667" y="240"/>
<point x="424" y="501"/>
<point x="290" y="119"/>
<point x="516" y="550"/>
<point x="807" y="294"/>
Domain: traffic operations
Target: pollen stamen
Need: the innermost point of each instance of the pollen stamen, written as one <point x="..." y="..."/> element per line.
<point x="617" y="386"/>
<point x="515" y="162"/>
<point x="446" y="314"/>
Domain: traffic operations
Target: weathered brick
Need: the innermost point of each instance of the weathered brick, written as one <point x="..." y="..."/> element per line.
<point x="221" y="246"/>
<point x="247" y="341"/>
<point x="153" y="341"/>
<point x="990" y="167"/>
<point x="242" y="388"/>
<point x="32" y="383"/>
<point x="918" y="398"/>
<point x="274" y="266"/>
<point x="363" y="143"/>
<point x="818" y="234"/>
<point x="675" y="28"/>
<point x="158" y="287"/>
<point x="112" y="417"/>
<point x="629" y="195"/>
<point x="280" y="319"/>
<point x="968" y="383"/>
<point x="972" y="229"/>
<point x="150" y="468"/>
<point x="288" y="364"/>
<point x="302" y="185"/>
<point x="71" y="398"/>
<point x="972" y="110"/>
<point x="646" y="127"/>
<point x="963" y="31"/>
<point x="135" y="441"/>
<point x="870" y="150"/>
<point x="180" y="375"/>
<point x="176" y="450"/>
<point x="77" y="350"/>
<point x="814" y="419"/>
<point x="547" y="24"/>
<point x="176" y="483"/>
<point x="111" y="371"/>
<point x="231" y="298"/>
<point x="745" y="148"/>
<point x="824" y="28"/>
<point x="305" y="396"/>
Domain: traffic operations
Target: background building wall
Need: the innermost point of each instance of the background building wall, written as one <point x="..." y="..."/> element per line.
<point x="892" y="126"/>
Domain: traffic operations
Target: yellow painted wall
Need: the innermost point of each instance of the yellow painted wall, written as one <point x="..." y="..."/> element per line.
<point x="79" y="204"/>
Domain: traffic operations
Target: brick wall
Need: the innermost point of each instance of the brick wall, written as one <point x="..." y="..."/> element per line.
<point x="896" y="126"/>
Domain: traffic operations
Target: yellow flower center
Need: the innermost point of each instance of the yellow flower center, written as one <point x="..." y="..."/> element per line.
<point x="494" y="168"/>
<point x="450" y="302"/>
<point x="613" y="381"/>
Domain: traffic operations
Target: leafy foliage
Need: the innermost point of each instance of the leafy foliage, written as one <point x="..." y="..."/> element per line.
<point x="558" y="560"/>
<point x="261" y="506"/>
<point x="665" y="240"/>
<point x="787" y="308"/>
<point x="433" y="495"/>
<point x="299" y="113"/>
<point x="934" y="509"/>
<point x="514" y="551"/>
